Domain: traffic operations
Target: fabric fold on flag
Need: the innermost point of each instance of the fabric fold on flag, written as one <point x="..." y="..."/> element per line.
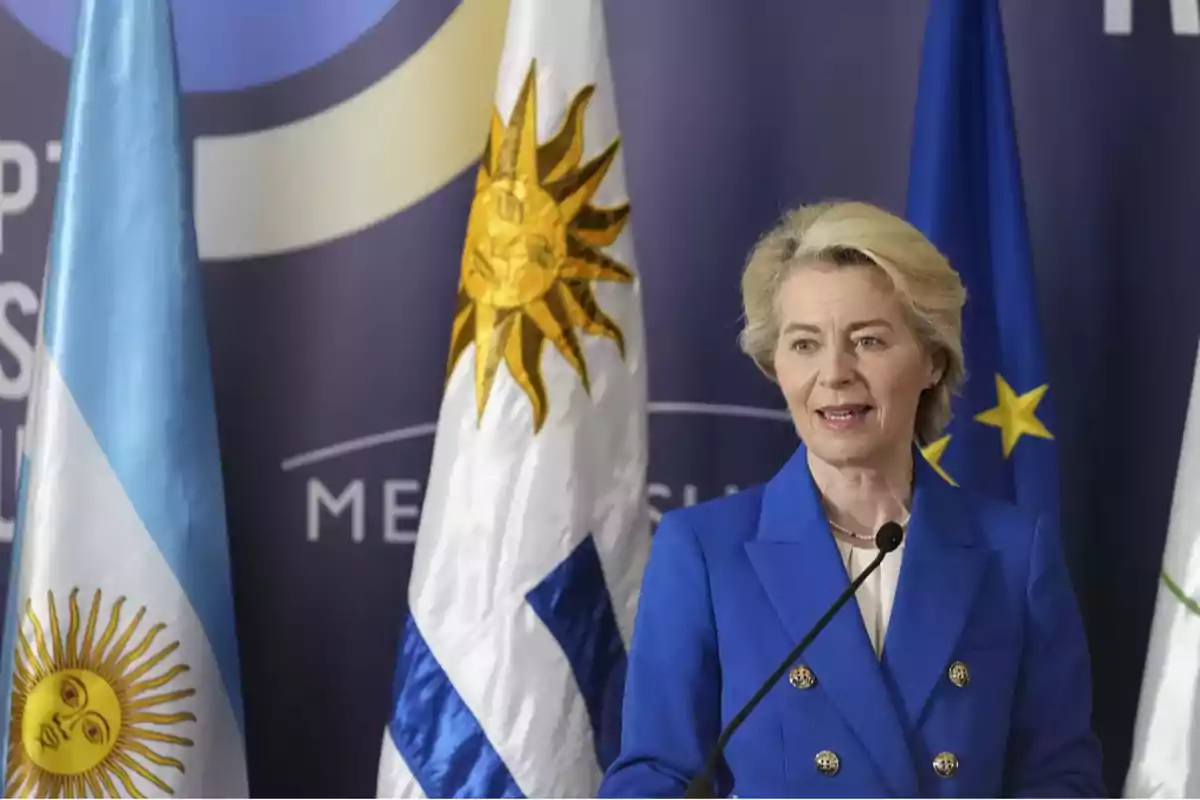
<point x="535" y="528"/>
<point x="120" y="661"/>
<point x="965" y="194"/>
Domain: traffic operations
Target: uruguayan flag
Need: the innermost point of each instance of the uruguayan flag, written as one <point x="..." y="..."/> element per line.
<point x="120" y="661"/>
<point x="534" y="531"/>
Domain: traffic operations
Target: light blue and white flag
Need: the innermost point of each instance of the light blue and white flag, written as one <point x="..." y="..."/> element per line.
<point x="534" y="529"/>
<point x="120" y="666"/>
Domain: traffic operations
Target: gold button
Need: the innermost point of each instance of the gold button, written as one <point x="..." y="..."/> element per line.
<point x="945" y="764"/>
<point x="960" y="676"/>
<point x="802" y="677"/>
<point x="828" y="762"/>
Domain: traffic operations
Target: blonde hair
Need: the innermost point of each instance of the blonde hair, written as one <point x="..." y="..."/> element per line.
<point x="851" y="234"/>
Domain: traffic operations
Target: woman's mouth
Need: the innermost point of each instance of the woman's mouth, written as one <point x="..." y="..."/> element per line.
<point x="843" y="416"/>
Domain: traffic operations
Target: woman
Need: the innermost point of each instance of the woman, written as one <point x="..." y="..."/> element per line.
<point x="960" y="668"/>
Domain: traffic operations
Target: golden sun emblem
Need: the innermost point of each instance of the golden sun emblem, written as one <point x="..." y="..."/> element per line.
<point x="82" y="706"/>
<point x="531" y="252"/>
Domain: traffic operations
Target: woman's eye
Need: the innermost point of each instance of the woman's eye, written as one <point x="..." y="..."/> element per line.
<point x="804" y="345"/>
<point x="869" y="343"/>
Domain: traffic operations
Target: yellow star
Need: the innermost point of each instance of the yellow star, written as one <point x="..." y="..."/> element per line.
<point x="933" y="454"/>
<point x="1015" y="415"/>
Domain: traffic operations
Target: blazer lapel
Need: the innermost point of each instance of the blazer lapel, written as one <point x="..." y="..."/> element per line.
<point x="801" y="570"/>
<point x="939" y="578"/>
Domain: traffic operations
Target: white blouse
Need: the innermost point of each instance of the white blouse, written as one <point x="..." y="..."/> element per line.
<point x="876" y="595"/>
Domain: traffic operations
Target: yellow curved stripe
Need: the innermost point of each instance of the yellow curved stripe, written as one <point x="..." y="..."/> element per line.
<point x="361" y="161"/>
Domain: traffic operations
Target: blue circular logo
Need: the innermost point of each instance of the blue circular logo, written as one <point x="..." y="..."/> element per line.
<point x="227" y="45"/>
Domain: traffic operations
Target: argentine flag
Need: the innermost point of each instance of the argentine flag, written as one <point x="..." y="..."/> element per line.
<point x="120" y="662"/>
<point x="534" y="532"/>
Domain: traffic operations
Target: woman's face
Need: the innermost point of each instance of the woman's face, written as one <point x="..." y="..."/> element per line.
<point x="850" y="367"/>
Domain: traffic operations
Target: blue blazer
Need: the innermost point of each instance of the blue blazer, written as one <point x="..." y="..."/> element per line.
<point x="733" y="584"/>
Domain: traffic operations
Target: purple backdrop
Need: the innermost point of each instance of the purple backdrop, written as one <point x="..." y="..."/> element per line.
<point x="329" y="358"/>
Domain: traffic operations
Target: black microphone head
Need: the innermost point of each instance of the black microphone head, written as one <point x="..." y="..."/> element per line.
<point x="889" y="537"/>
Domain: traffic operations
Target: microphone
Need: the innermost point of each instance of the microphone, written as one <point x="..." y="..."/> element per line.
<point x="888" y="538"/>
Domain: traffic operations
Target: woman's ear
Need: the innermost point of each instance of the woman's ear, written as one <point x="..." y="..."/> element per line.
<point x="937" y="368"/>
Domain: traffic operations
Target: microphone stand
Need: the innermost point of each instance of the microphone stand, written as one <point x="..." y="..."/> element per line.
<point x="886" y="540"/>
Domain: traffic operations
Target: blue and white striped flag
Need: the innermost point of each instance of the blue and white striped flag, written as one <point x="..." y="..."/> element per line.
<point x="120" y="665"/>
<point x="534" y="531"/>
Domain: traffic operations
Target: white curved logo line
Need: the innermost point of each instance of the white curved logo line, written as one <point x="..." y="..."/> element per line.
<point x="719" y="410"/>
<point x="358" y="162"/>
<point x="361" y="443"/>
<point x="429" y="428"/>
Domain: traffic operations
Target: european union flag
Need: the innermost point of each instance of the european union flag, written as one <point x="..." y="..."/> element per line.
<point x="964" y="193"/>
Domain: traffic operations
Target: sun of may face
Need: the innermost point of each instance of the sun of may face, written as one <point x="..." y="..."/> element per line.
<point x="86" y="716"/>
<point x="531" y="252"/>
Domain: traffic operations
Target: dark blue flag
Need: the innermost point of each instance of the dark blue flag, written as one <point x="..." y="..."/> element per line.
<point x="964" y="193"/>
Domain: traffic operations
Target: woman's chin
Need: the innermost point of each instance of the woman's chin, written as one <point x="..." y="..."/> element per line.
<point x="859" y="449"/>
<point x="845" y="453"/>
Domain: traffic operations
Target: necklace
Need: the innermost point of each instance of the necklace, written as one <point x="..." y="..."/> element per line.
<point x="855" y="535"/>
<point x="858" y="537"/>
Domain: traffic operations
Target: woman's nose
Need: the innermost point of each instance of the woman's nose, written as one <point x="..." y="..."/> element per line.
<point x="837" y="368"/>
